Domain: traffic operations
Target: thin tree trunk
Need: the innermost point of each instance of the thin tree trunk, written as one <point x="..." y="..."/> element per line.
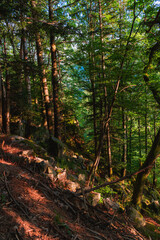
<point x="0" y="101"/>
<point x="154" y="168"/>
<point x="7" y="103"/>
<point x="42" y="74"/>
<point x="139" y="138"/>
<point x="110" y="171"/>
<point x="44" y="84"/>
<point x="124" y="154"/>
<point x="28" y="83"/>
<point x="92" y="75"/>
<point x="146" y="127"/>
<point x="103" y="83"/>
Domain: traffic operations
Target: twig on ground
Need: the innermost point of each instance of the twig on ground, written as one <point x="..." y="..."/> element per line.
<point x="56" y="195"/>
<point x="95" y="237"/>
<point x="60" y="233"/>
<point x="18" y="236"/>
<point x="113" y="217"/>
<point x="96" y="233"/>
<point x="14" y="200"/>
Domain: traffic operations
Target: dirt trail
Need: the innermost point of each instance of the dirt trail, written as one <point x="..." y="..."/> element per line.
<point x="32" y="207"/>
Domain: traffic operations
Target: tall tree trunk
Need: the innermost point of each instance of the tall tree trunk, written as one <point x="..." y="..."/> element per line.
<point x="0" y="101"/>
<point x="104" y="88"/>
<point x="139" y="140"/>
<point x="92" y="74"/>
<point x="20" y="103"/>
<point x="124" y="153"/>
<point x="146" y="127"/>
<point x="130" y="144"/>
<point x="141" y="177"/>
<point x="42" y="73"/>
<point x="7" y="102"/>
<point x="28" y="83"/>
<point x="44" y="84"/>
<point x="110" y="171"/>
<point x="57" y="152"/>
<point x="55" y="83"/>
<point x="154" y="168"/>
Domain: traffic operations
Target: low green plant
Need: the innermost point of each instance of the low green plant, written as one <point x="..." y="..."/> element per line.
<point x="58" y="221"/>
<point x="3" y="198"/>
<point x="106" y="191"/>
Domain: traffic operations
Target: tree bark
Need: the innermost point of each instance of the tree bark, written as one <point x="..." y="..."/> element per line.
<point x="146" y="126"/>
<point x="92" y="74"/>
<point x="28" y="83"/>
<point x="44" y="84"/>
<point x="124" y="153"/>
<point x="7" y="102"/>
<point x="154" y="168"/>
<point x="110" y="171"/>
<point x="140" y="145"/>
<point x="0" y="100"/>
<point x="55" y="83"/>
<point x="141" y="177"/>
<point x="42" y="73"/>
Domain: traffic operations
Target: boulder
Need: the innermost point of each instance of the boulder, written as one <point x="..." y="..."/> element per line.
<point x="94" y="198"/>
<point x="136" y="217"/>
<point x="72" y="186"/>
<point x="51" y="173"/>
<point x="62" y="177"/>
<point x="26" y="153"/>
<point x="81" y="178"/>
<point x="110" y="204"/>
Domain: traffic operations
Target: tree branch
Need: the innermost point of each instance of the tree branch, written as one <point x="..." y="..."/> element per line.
<point x="155" y="21"/>
<point x="116" y="181"/>
<point x="153" y="88"/>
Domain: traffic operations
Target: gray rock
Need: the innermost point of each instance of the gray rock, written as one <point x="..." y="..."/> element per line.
<point x="136" y="217"/>
<point x="94" y="198"/>
<point x="110" y="204"/>
<point x="72" y="186"/>
<point x="81" y="177"/>
<point x="62" y="176"/>
<point x="27" y="153"/>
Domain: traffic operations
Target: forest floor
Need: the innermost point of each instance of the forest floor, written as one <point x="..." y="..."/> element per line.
<point x="33" y="207"/>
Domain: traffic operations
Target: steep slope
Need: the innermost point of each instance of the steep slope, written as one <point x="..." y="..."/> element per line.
<point x="33" y="206"/>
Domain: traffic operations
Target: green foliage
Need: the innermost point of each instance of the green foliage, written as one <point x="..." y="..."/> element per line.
<point x="3" y="199"/>
<point x="106" y="191"/>
<point x="58" y="221"/>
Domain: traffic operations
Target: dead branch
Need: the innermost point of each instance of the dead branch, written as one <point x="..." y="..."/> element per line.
<point x="14" y="200"/>
<point x="102" y="237"/>
<point x="113" y="182"/>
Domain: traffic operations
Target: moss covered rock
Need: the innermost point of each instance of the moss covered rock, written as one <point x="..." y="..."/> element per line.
<point x="136" y="217"/>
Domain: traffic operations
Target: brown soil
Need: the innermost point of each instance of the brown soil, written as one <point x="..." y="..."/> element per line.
<point x="32" y="207"/>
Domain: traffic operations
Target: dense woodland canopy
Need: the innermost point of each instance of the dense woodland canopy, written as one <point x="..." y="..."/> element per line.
<point x="86" y="73"/>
